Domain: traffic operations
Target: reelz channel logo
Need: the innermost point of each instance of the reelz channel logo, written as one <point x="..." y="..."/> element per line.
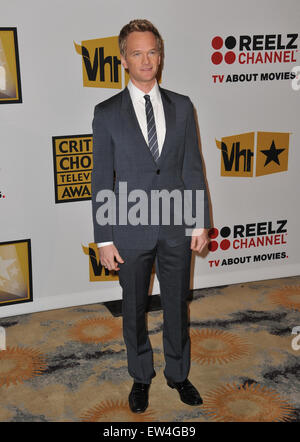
<point x="261" y="234"/>
<point x="254" y="49"/>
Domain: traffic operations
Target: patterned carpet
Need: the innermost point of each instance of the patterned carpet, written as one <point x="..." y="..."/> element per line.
<point x="70" y="365"/>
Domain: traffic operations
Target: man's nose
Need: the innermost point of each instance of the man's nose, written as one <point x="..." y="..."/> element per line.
<point x="146" y="59"/>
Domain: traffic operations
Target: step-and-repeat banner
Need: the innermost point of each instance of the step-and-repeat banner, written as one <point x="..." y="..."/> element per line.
<point x="239" y="66"/>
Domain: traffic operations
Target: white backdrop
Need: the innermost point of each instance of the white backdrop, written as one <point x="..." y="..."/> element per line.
<point x="55" y="103"/>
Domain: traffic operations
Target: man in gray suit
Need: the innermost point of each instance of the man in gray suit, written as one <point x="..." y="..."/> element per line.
<point x="147" y="136"/>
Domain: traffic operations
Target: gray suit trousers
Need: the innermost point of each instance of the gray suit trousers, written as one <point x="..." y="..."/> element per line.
<point x="174" y="280"/>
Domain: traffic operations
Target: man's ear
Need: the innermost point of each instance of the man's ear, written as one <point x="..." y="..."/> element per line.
<point x="124" y="63"/>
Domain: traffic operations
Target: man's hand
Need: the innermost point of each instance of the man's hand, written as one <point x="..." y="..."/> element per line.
<point x="199" y="240"/>
<point x="107" y="255"/>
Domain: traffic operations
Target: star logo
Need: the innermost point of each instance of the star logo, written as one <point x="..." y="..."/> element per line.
<point x="272" y="154"/>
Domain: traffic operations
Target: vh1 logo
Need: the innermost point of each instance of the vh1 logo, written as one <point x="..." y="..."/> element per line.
<point x="96" y="270"/>
<point x="101" y="63"/>
<point x="238" y="153"/>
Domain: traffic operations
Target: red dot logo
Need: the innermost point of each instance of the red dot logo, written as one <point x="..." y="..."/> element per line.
<point x="229" y="57"/>
<point x="212" y="246"/>
<point x="217" y="43"/>
<point x="213" y="233"/>
<point x="225" y="244"/>
<point x="217" y="58"/>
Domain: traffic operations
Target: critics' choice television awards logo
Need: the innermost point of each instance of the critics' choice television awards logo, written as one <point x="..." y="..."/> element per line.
<point x="238" y="154"/>
<point x="248" y="237"/>
<point x="101" y="63"/>
<point x="73" y="163"/>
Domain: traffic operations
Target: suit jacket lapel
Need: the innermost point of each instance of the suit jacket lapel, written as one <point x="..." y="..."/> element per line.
<point x="170" y="117"/>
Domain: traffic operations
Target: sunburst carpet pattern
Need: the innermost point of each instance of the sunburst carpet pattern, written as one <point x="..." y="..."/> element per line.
<point x="70" y="365"/>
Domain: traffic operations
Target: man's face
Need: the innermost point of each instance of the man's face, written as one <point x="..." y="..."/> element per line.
<point x="142" y="57"/>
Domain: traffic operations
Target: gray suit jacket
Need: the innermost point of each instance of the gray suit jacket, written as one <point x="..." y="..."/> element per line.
<point x="119" y="146"/>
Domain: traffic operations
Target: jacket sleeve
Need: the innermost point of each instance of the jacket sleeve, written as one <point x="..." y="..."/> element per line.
<point x="102" y="174"/>
<point x="193" y="173"/>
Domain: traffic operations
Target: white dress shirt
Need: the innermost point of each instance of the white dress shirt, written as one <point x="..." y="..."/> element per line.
<point x="138" y="101"/>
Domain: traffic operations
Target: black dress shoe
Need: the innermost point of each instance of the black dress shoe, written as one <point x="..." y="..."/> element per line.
<point x="188" y="393"/>
<point x="138" y="397"/>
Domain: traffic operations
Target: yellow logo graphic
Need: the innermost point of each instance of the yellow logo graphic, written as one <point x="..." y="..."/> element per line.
<point x="97" y="271"/>
<point x="73" y="163"/>
<point x="272" y="152"/>
<point x="15" y="272"/>
<point x="101" y="63"/>
<point x="238" y="151"/>
<point x="10" y="83"/>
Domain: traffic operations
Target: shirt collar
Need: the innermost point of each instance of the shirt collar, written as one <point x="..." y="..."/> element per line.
<point x="137" y="94"/>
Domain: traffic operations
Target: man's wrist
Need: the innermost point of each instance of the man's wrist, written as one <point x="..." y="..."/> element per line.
<point x="198" y="232"/>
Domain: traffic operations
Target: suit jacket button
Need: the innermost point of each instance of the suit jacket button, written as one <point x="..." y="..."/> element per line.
<point x="158" y="171"/>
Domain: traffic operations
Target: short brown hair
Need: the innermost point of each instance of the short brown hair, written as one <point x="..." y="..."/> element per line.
<point x="138" y="25"/>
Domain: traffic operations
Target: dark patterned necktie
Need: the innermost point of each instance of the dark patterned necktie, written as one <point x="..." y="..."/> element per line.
<point x="152" y="136"/>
